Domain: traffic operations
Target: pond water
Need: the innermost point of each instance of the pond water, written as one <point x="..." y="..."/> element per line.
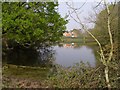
<point x="68" y="56"/>
<point x="65" y="54"/>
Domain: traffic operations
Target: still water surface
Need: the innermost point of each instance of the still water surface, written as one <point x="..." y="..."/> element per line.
<point x="68" y="56"/>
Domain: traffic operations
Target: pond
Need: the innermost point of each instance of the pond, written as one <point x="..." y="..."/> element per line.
<point x="65" y="54"/>
<point x="68" y="56"/>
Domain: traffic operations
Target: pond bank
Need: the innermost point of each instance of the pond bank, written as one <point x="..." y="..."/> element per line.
<point x="24" y="76"/>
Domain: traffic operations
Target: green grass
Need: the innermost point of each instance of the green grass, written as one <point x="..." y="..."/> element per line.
<point x="76" y="40"/>
<point x="25" y="72"/>
<point x="72" y="40"/>
<point x="24" y="76"/>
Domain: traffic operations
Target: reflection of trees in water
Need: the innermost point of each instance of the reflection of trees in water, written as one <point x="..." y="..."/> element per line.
<point x="45" y="56"/>
<point x="69" y="45"/>
<point x="29" y="57"/>
<point x="78" y="45"/>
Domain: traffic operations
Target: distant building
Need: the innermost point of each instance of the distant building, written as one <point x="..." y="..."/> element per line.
<point x="70" y="34"/>
<point x="73" y="34"/>
<point x="67" y="34"/>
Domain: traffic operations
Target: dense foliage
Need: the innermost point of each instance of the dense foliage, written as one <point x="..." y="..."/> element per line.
<point x="81" y="76"/>
<point x="30" y="24"/>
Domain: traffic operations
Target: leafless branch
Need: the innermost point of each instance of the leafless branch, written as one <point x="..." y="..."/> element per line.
<point x="98" y="4"/>
<point x="76" y="9"/>
<point x="73" y="17"/>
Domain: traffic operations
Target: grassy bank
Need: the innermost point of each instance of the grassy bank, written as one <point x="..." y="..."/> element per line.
<point x="76" y="40"/>
<point x="24" y="76"/>
<point x="72" y="40"/>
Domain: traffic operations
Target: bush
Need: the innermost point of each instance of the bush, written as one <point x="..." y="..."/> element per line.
<point x="78" y="76"/>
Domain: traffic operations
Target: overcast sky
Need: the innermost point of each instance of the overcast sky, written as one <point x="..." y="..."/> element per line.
<point x="85" y="11"/>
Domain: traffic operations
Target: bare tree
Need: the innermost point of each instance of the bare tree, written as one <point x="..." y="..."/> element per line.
<point x="105" y="61"/>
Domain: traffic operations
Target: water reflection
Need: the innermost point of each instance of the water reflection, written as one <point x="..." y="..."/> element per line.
<point x="70" y="45"/>
<point x="67" y="55"/>
<point x="29" y="57"/>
